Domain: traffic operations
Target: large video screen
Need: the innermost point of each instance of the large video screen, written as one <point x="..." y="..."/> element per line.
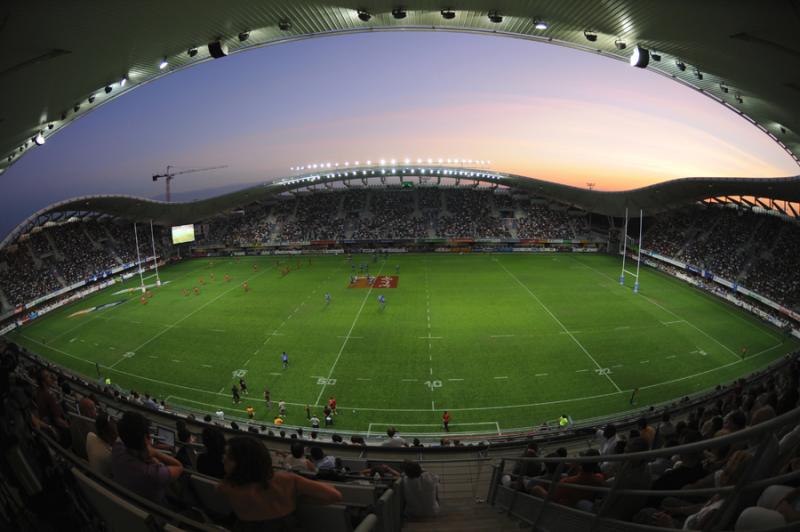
<point x="182" y="233"/>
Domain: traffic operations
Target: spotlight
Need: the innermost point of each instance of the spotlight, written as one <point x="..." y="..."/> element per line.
<point x="163" y="64"/>
<point x="107" y="89"/>
<point x="640" y="57"/>
<point x="91" y="98"/>
<point x="590" y="35"/>
<point x="50" y="126"/>
<point x="620" y="44"/>
<point x="539" y="24"/>
<point x="191" y="52"/>
<point x="448" y="14"/>
<point x="739" y="98"/>
<point x="284" y="25"/>
<point x="217" y="50"/>
<point x="39" y="139"/>
<point x="399" y="13"/>
<point x="783" y="130"/>
<point x="698" y="74"/>
<point x="364" y="16"/>
<point x="495" y="17"/>
<point x="122" y="82"/>
<point x="724" y="88"/>
<point x="681" y="65"/>
<point x="655" y="56"/>
<point x="64" y="115"/>
<point x="76" y="108"/>
<point x="244" y="36"/>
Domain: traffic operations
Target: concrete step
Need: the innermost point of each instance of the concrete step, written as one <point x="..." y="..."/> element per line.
<point x="463" y="515"/>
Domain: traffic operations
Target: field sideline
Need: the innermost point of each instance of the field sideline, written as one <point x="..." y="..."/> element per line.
<point x="501" y="341"/>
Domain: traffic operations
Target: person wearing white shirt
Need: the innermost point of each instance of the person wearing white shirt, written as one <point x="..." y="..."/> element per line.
<point x="98" y="444"/>
<point x="421" y="490"/>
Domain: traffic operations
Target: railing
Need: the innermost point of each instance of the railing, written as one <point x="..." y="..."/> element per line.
<point x="759" y="473"/>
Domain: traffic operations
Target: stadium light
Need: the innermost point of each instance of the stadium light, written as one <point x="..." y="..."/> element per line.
<point x="620" y="44"/>
<point x="698" y="74"/>
<point x="91" y="98"/>
<point x="217" y="49"/>
<point x="590" y="35"/>
<point x="191" y="52"/>
<point x="539" y="24"/>
<point x="108" y="89"/>
<point x="364" y="16"/>
<point x="163" y="64"/>
<point x="399" y="13"/>
<point x="243" y="36"/>
<point x="284" y="25"/>
<point x="448" y="14"/>
<point x="39" y="139"/>
<point x="122" y="82"/>
<point x="681" y="65"/>
<point x="640" y="57"/>
<point x="723" y="88"/>
<point x="655" y="56"/>
<point x="495" y="16"/>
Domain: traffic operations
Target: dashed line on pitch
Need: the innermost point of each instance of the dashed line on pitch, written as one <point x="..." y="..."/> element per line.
<point x="409" y="380"/>
<point x="505" y="377"/>
<point x="537" y="375"/>
<point x="502" y="336"/>
<point x="360" y="379"/>
<point x="206" y="365"/>
<point x="672" y="356"/>
<point x="581" y="370"/>
<point x="644" y="362"/>
<point x="453" y="380"/>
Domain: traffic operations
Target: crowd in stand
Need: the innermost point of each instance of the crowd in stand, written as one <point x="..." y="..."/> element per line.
<point x="716" y="466"/>
<point x="63" y="255"/>
<point x="756" y="251"/>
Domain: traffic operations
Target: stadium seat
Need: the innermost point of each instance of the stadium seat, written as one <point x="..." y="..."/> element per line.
<point x="118" y="514"/>
<point x="332" y="518"/>
<point x="205" y="489"/>
<point x="79" y="427"/>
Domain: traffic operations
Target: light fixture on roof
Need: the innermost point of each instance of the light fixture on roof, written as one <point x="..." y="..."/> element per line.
<point x="163" y="64"/>
<point x="620" y="44"/>
<point x="783" y="130"/>
<point x="448" y="14"/>
<point x="50" y="126"/>
<point x="540" y="24"/>
<point x="217" y="49"/>
<point x="122" y="82"/>
<point x="495" y="16"/>
<point x="698" y="74"/>
<point x="364" y="15"/>
<point x="91" y="98"/>
<point x="107" y="89"/>
<point x="640" y="57"/>
<point x="399" y="13"/>
<point x="724" y="88"/>
<point x="191" y="52"/>
<point x="738" y="97"/>
<point x="681" y="65"/>
<point x="284" y="25"/>
<point x="76" y="108"/>
<point x="590" y="35"/>
<point x="39" y="139"/>
<point x="243" y="36"/>
<point x="655" y="56"/>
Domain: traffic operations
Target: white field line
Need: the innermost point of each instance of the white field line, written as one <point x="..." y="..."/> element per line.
<point x="689" y="323"/>
<point x="560" y="324"/>
<point x="368" y="409"/>
<point x="432" y="424"/>
<point x="341" y="349"/>
<point x="198" y="309"/>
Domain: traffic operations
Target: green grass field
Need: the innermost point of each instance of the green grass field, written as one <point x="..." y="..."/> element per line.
<point x="501" y="341"/>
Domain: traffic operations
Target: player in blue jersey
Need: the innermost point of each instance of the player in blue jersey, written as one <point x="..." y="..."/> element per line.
<point x="285" y="360"/>
<point x="327" y="298"/>
<point x="381" y="301"/>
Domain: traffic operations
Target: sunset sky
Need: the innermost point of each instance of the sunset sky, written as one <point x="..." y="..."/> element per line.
<point x="533" y="109"/>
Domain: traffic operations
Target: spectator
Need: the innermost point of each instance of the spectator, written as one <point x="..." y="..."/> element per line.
<point x="321" y="460"/>
<point x="421" y="491"/>
<point x="49" y="411"/>
<point x="646" y="432"/>
<point x="136" y="465"/>
<point x="394" y="439"/>
<point x="87" y="408"/>
<point x="297" y="459"/>
<point x="210" y="462"/>
<point x="588" y="474"/>
<point x="263" y="499"/>
<point x="99" y="444"/>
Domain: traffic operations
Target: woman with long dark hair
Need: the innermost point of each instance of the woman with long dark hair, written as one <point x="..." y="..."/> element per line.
<point x="265" y="500"/>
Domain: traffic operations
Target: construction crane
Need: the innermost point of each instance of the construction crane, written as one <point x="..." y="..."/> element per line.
<point x="171" y="175"/>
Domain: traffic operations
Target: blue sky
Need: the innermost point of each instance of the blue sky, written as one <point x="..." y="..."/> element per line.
<point x="534" y="109"/>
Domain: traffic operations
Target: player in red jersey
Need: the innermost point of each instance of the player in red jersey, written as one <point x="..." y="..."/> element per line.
<point x="185" y="292"/>
<point x="196" y="291"/>
<point x="143" y="300"/>
<point x="332" y="404"/>
<point x="227" y="278"/>
<point x="246" y="286"/>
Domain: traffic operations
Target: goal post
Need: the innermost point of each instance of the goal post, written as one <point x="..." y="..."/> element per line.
<point x="638" y="248"/>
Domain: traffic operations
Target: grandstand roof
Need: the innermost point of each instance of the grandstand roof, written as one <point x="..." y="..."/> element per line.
<point x="58" y="57"/>
<point x="651" y="199"/>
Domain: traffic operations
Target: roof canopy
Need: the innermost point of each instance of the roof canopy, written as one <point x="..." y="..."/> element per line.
<point x="651" y="199"/>
<point x="61" y="59"/>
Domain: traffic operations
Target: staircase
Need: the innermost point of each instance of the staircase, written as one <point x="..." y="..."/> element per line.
<point x="463" y="516"/>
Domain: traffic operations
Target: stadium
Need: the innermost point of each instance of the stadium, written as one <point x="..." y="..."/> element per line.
<point x="498" y="330"/>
